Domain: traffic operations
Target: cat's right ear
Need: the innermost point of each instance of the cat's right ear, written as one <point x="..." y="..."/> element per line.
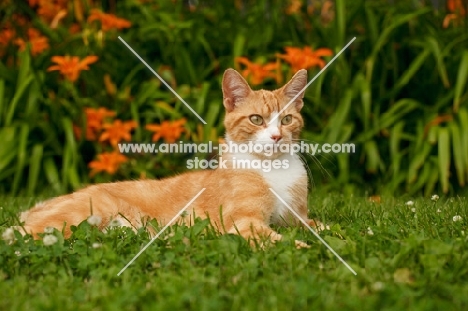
<point x="235" y="89"/>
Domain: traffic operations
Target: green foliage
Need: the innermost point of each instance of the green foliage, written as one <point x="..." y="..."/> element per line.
<point x="399" y="92"/>
<point x="406" y="80"/>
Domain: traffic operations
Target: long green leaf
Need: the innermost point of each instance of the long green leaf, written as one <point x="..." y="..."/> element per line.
<point x="411" y="71"/>
<point x="20" y="91"/>
<point x="34" y="168"/>
<point x="2" y="97"/>
<point x="458" y="153"/>
<point x="22" y="156"/>
<point x="418" y="160"/>
<point x="52" y="174"/>
<point x="9" y="147"/>
<point x="434" y="46"/>
<point x="463" y="115"/>
<point x="339" y="117"/>
<point x="373" y="161"/>
<point x="461" y="81"/>
<point x="444" y="158"/>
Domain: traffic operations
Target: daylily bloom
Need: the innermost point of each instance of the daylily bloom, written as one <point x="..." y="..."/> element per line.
<point x="108" y="21"/>
<point x="6" y="35"/>
<point x="107" y="162"/>
<point x="71" y="66"/>
<point x="170" y="131"/>
<point x="49" y="9"/>
<point x="294" y="7"/>
<point x="456" y="6"/>
<point x="257" y="73"/>
<point x="38" y="43"/>
<point x="305" y="58"/>
<point x="458" y="11"/>
<point x="117" y="131"/>
<point x="94" y="119"/>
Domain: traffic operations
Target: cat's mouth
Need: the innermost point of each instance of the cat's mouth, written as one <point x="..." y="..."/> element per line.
<point x="272" y="149"/>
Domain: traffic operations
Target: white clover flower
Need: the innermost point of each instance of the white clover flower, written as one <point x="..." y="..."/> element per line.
<point x="97" y="245"/>
<point x="409" y="203"/>
<point x="438" y="210"/>
<point x="8" y="234"/>
<point x="115" y="223"/>
<point x="435" y="198"/>
<point x="457" y="218"/>
<point x="49" y="239"/>
<point x="49" y="230"/>
<point x="413" y="210"/>
<point x="94" y="220"/>
<point x="378" y="286"/>
<point x="369" y="231"/>
<point x="18" y="253"/>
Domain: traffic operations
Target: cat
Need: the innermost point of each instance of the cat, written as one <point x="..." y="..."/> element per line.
<point x="248" y="206"/>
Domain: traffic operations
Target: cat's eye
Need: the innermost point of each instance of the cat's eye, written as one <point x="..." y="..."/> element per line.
<point x="256" y="119"/>
<point x="287" y="120"/>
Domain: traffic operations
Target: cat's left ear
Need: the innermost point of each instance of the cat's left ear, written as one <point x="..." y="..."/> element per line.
<point x="294" y="86"/>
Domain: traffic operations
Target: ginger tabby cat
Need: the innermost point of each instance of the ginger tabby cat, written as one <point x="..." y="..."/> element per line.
<point x="248" y="205"/>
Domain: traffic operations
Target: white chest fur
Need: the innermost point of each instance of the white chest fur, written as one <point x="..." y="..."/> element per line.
<point x="281" y="180"/>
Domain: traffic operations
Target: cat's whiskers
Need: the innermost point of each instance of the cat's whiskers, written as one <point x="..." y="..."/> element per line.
<point x="309" y="172"/>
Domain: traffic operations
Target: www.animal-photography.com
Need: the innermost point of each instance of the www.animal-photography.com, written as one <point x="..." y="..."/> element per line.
<point x="233" y="155"/>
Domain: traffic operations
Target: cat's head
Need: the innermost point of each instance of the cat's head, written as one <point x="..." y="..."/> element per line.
<point x="248" y="112"/>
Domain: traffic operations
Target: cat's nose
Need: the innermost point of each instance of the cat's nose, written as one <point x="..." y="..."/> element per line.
<point x="276" y="138"/>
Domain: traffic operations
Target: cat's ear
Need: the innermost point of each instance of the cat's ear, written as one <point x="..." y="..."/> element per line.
<point x="235" y="89"/>
<point x="294" y="86"/>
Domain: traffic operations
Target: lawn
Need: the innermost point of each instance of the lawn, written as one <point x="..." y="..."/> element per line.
<point x="407" y="257"/>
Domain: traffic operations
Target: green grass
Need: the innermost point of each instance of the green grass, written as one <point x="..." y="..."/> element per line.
<point x="413" y="261"/>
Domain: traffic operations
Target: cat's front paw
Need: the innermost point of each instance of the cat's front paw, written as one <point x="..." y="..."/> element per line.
<point x="300" y="244"/>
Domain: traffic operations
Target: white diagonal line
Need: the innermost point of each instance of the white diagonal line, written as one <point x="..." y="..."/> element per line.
<point x="310" y="82"/>
<point x="162" y="80"/>
<point x="160" y="232"/>
<point x="313" y="231"/>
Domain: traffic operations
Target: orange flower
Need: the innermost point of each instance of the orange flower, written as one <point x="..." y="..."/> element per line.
<point x="305" y="58"/>
<point x="257" y="73"/>
<point x="49" y="9"/>
<point x="294" y="7"/>
<point x="70" y="66"/>
<point x="458" y="12"/>
<point x="74" y="29"/>
<point x="117" y="131"/>
<point x="6" y="35"/>
<point x="94" y="118"/>
<point x="108" y="21"/>
<point x="170" y="131"/>
<point x="456" y="6"/>
<point x="38" y="43"/>
<point x="107" y="162"/>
